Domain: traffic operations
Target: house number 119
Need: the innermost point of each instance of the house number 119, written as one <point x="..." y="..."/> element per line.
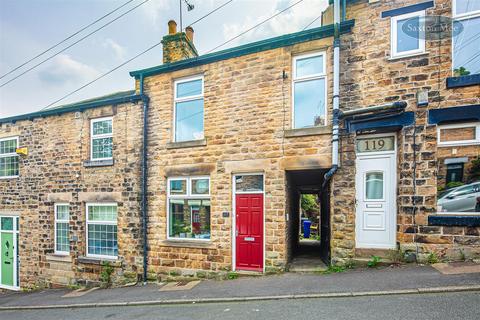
<point x="375" y="144"/>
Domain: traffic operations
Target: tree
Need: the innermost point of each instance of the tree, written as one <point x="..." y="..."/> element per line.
<point x="309" y="203"/>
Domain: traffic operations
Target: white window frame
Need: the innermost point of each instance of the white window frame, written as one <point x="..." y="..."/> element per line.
<point x="88" y="222"/>
<point x="187" y="196"/>
<point x="321" y="75"/>
<point x="393" y="35"/>
<point x="100" y="136"/>
<point x="475" y="141"/>
<point x="59" y="252"/>
<point x="460" y="17"/>
<point x="12" y="154"/>
<point x="184" y="99"/>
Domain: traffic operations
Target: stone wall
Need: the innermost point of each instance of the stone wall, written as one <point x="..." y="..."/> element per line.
<point x="54" y="172"/>
<point x="369" y="77"/>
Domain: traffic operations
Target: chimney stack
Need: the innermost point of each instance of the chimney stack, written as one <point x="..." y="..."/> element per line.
<point x="178" y="46"/>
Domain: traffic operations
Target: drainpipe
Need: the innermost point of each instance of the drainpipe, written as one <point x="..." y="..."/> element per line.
<point x="336" y="92"/>
<point x="144" y="185"/>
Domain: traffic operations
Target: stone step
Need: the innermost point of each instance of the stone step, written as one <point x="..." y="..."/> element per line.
<point x="368" y="253"/>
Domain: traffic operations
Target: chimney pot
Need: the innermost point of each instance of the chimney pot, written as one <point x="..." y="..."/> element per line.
<point x="172" y="27"/>
<point x="189" y="31"/>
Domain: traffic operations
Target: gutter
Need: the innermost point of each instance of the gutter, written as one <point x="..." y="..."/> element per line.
<point x="144" y="184"/>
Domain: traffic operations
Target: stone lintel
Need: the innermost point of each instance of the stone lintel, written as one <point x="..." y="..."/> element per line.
<point x="60" y="197"/>
<point x="189" y="170"/>
<point x="306" y="162"/>
<point x="246" y="166"/>
<point x="100" y="196"/>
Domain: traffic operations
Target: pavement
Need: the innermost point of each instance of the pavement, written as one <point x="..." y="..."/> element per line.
<point x="439" y="306"/>
<point x="407" y="279"/>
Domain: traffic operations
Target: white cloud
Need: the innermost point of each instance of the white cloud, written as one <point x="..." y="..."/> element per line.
<point x="154" y="10"/>
<point x="64" y="70"/>
<point x="292" y="20"/>
<point x="119" y="51"/>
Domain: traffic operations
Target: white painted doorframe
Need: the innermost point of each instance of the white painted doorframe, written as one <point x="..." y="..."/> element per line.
<point x="15" y="233"/>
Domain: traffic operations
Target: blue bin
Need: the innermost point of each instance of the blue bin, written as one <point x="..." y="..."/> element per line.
<point x="306" y="228"/>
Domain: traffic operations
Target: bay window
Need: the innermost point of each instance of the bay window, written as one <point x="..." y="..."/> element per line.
<point x="309" y="91"/>
<point x="189" y="208"/>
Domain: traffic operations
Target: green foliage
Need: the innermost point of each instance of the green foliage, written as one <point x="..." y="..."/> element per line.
<point x="106" y="274"/>
<point x="397" y="256"/>
<point x="232" y="275"/>
<point x="432" y="258"/>
<point x="474" y="172"/>
<point x="454" y="184"/>
<point x="461" y="72"/>
<point x="333" y="269"/>
<point x="350" y="264"/>
<point x="374" y="262"/>
<point x="309" y="203"/>
<point x="462" y="255"/>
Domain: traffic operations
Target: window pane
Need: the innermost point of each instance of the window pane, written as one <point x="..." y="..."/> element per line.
<point x="102" y="148"/>
<point x="309" y="66"/>
<point x="189" y="218"/>
<point x="102" y="240"/>
<point x="190" y="88"/>
<point x="200" y="186"/>
<point x="408" y="42"/>
<point x="466" y="48"/>
<point x="249" y="183"/>
<point x="6" y="223"/>
<point x="309" y="109"/>
<point x="102" y="213"/>
<point x="102" y="127"/>
<point x="8" y="146"/>
<point x="178" y="187"/>
<point x="189" y="120"/>
<point x="62" y="241"/>
<point x="374" y="186"/>
<point x="62" y="212"/>
<point x="457" y="134"/>
<point x="464" y="6"/>
<point x="9" y="166"/>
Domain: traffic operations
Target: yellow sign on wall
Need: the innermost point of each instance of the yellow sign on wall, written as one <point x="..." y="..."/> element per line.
<point x="22" y="151"/>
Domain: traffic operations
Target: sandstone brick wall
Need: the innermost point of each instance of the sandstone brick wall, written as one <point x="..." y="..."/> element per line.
<point x="53" y="172"/>
<point x="247" y="108"/>
<point x="369" y="77"/>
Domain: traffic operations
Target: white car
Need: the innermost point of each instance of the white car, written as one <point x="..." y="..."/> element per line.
<point x="461" y="199"/>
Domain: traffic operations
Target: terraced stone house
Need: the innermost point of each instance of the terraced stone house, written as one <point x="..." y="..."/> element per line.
<point x="201" y="167"/>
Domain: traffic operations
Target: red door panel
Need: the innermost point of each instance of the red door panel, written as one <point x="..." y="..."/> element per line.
<point x="249" y="238"/>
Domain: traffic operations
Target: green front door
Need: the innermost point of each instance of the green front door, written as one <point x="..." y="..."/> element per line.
<point x="7" y="249"/>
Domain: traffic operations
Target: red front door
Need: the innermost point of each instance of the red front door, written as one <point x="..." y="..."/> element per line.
<point x="249" y="232"/>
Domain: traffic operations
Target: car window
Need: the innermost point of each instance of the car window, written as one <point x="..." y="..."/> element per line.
<point x="464" y="190"/>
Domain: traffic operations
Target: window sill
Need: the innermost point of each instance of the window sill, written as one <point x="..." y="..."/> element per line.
<point x="452" y="219"/>
<point x="9" y="177"/>
<point x="98" y="163"/>
<point x="303" y="132"/>
<point x="180" y="243"/>
<point x="58" y="257"/>
<point x="98" y="261"/>
<point x="413" y="55"/>
<point x="463" y="81"/>
<point x="187" y="144"/>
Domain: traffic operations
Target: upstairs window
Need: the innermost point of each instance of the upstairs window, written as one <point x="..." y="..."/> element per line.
<point x="309" y="91"/>
<point x="62" y="226"/>
<point x="8" y="158"/>
<point x="189" y="208"/>
<point x="465" y="44"/>
<point x="101" y="139"/>
<point x="407" y="34"/>
<point x="188" y="109"/>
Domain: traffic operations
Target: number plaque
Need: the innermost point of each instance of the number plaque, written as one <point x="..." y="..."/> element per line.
<point x="375" y="144"/>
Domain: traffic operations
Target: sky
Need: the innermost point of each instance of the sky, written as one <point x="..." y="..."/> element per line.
<point x="28" y="27"/>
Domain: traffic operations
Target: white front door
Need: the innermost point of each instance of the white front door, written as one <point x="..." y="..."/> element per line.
<point x="376" y="200"/>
